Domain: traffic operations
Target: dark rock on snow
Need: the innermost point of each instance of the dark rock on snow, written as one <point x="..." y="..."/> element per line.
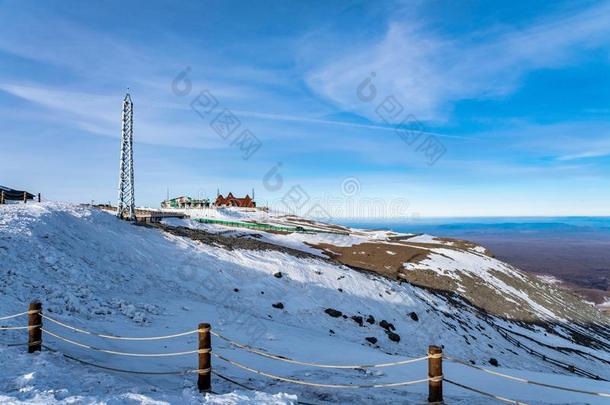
<point x="386" y="325"/>
<point x="394" y="337"/>
<point x="333" y="312"/>
<point x="358" y="319"/>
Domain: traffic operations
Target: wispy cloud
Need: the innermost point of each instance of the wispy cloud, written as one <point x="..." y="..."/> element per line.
<point x="588" y="154"/>
<point x="562" y="142"/>
<point x="67" y="44"/>
<point x="427" y="71"/>
<point x="99" y="114"/>
<point x="321" y="121"/>
<point x="94" y="106"/>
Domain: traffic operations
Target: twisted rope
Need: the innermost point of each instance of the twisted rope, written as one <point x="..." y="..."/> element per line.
<point x="17" y="315"/>
<point x="487" y="394"/>
<point x="526" y="381"/>
<point x="310" y="384"/>
<point x="75" y="329"/>
<point x="217" y="374"/>
<point x="19" y="344"/>
<point x="19" y="327"/>
<point x="232" y="381"/>
<point x="125" y="353"/>
<point x="572" y="368"/>
<point x="305" y="363"/>
<point x="119" y="370"/>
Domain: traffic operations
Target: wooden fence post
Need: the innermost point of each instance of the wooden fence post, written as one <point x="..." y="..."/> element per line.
<point x="25" y="197"/>
<point x="38" y="197"/>
<point x="204" y="380"/>
<point x="35" y="327"/>
<point x="435" y="373"/>
<point x="2" y="197"/>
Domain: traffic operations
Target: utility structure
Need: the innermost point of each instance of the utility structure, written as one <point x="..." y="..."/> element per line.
<point x="126" y="208"/>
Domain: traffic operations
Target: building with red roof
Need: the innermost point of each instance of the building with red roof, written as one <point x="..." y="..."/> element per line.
<point x="231" y="201"/>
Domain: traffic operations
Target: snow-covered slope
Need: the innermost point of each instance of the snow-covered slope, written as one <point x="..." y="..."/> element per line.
<point x="49" y="378"/>
<point x="424" y="260"/>
<point x="97" y="273"/>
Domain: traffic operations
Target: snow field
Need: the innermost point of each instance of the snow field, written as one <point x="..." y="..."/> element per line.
<point x="97" y="273"/>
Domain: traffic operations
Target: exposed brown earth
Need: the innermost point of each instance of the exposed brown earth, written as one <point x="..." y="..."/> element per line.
<point x="374" y="257"/>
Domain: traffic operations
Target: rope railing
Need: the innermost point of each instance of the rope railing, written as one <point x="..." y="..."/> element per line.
<point x="525" y="380"/>
<point x="313" y="364"/>
<point x="3" y="318"/>
<point x="86" y="332"/>
<point x="201" y="371"/>
<point x="18" y="327"/>
<point x="120" y="370"/>
<point x="505" y="334"/>
<point x="85" y="346"/>
<point x="485" y="393"/>
<point x="15" y="344"/>
<point x="323" y="385"/>
<point x="237" y="383"/>
<point x="204" y="370"/>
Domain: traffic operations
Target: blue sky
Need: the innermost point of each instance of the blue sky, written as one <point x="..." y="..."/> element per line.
<point x="506" y="106"/>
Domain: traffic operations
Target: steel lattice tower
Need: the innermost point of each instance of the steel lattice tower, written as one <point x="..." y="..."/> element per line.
<point x="126" y="205"/>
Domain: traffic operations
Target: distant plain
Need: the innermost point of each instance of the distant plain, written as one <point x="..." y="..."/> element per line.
<point x="574" y="250"/>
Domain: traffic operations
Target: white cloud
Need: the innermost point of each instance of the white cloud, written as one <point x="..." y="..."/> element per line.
<point x="97" y="108"/>
<point x="564" y="141"/>
<point x="427" y="72"/>
<point x="99" y="114"/>
<point x="587" y="154"/>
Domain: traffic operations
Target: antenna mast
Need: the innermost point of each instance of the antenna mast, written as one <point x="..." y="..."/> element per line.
<point x="126" y="208"/>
